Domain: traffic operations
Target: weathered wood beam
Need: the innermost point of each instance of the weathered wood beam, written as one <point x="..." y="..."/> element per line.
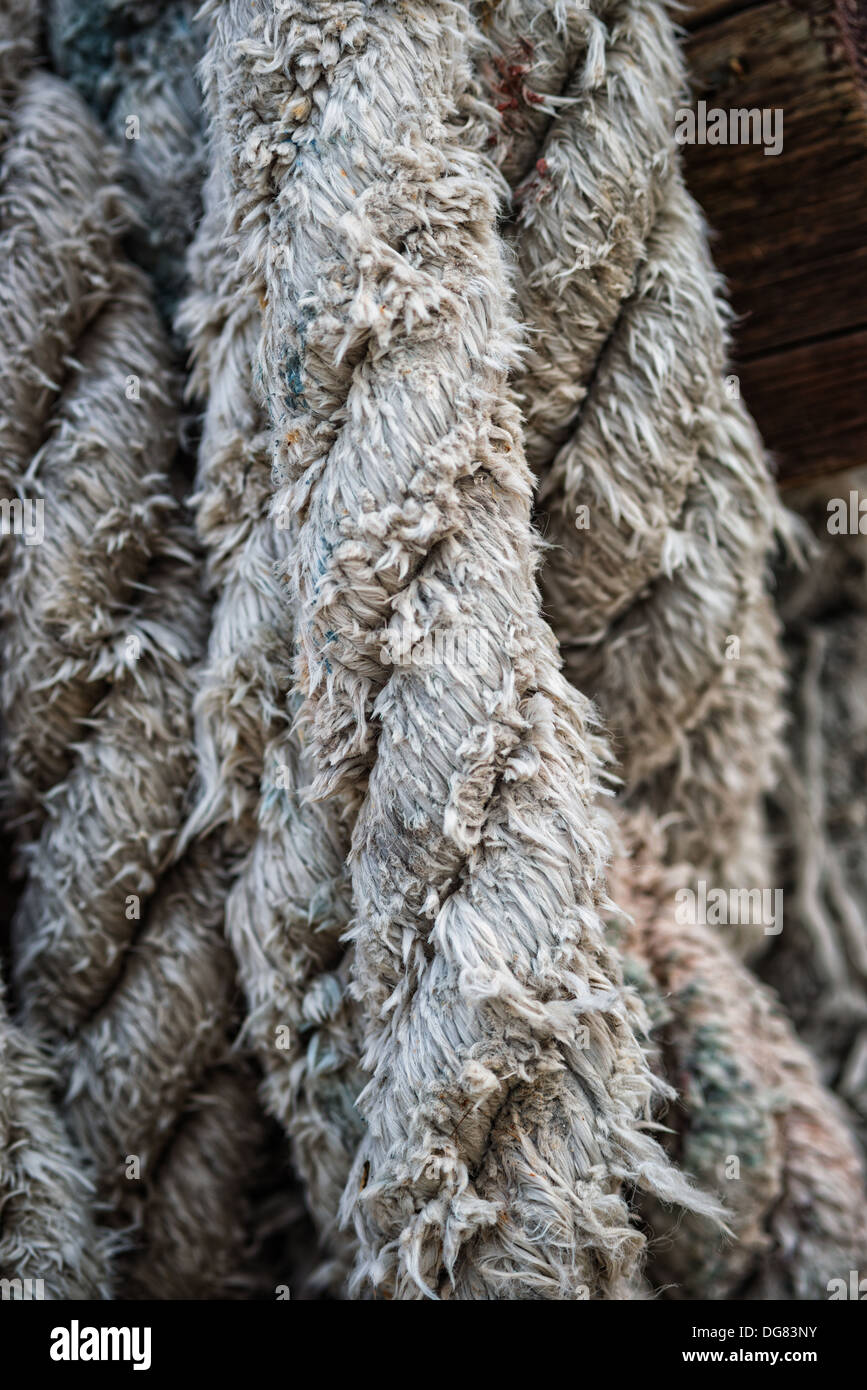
<point x="791" y="229"/>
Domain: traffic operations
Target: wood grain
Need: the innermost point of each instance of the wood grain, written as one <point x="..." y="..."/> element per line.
<point x="790" y="232"/>
<point x="813" y="402"/>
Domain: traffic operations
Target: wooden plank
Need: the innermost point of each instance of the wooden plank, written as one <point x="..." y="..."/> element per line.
<point x="700" y="11"/>
<point x="792" y="228"/>
<point x="790" y="231"/>
<point x="811" y="403"/>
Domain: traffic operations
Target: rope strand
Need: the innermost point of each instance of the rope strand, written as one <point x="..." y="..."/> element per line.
<point x="476" y="866"/>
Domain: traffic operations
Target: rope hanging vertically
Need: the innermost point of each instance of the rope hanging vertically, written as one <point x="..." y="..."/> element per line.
<point x="752" y="1120"/>
<point x="655" y="497"/>
<point x="358" y="192"/>
<point x="483" y="531"/>
<point x="49" y="1239"/>
<point x="289" y="902"/>
<point x="119" y="960"/>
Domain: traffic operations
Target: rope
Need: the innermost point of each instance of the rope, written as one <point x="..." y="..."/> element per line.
<point x="289" y="903"/>
<point x="819" y="965"/>
<point x="48" y="1232"/>
<point x="119" y="962"/>
<point x="752" y="1121"/>
<point x="397" y="820"/>
<point x="383" y="358"/>
<point x="134" y="64"/>
<point x="655" y="496"/>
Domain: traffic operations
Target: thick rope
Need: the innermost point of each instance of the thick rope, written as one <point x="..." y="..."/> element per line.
<point x="752" y="1120"/>
<point x="119" y="964"/>
<point x="476" y="861"/>
<point x="631" y="424"/>
<point x="656" y="498"/>
<point x="48" y="1233"/>
<point x="819" y="963"/>
<point x="350" y="302"/>
<point x="134" y="64"/>
<point x="290" y="901"/>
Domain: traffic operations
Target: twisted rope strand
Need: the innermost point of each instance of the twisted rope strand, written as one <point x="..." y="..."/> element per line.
<point x="384" y="358"/>
<point x="753" y="1121"/>
<point x="289" y="903"/>
<point x="120" y="968"/>
<point x="47" y="1227"/>
<point x="48" y="1231"/>
<point x="819" y="964"/>
<point x="630" y="422"/>
<point x="135" y="67"/>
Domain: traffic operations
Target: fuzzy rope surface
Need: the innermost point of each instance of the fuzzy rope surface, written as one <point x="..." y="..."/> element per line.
<point x="655" y="494"/>
<point x="448" y="270"/>
<point x="134" y="64"/>
<point x="819" y="963"/>
<point x="289" y="902"/>
<point x="119" y="961"/>
<point x="752" y="1120"/>
<point x="48" y="1230"/>
<point x="384" y="354"/>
